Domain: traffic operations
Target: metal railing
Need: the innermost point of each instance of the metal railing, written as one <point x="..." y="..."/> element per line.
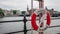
<point x="25" y="29"/>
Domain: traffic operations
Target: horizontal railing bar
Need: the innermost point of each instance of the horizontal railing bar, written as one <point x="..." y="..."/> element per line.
<point x="11" y="21"/>
<point x="58" y="33"/>
<point x="18" y="31"/>
<point x="15" y="21"/>
<point x="54" y="26"/>
<point x="30" y="30"/>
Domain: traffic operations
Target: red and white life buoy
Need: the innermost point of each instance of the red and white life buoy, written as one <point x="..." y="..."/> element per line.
<point x="34" y="23"/>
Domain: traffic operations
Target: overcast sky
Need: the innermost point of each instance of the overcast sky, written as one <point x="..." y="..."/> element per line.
<point x="22" y="4"/>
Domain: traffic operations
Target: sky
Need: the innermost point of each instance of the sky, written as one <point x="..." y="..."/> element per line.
<point x="22" y="4"/>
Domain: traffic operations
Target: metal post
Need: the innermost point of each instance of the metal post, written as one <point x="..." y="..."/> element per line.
<point x="41" y="23"/>
<point x="31" y="12"/>
<point x="31" y="6"/>
<point x="25" y="20"/>
<point x="41" y="33"/>
<point x="41" y="5"/>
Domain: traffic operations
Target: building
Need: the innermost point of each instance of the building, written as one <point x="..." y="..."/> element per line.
<point x="52" y="11"/>
<point x="15" y="12"/>
<point x="8" y="13"/>
<point x="18" y="12"/>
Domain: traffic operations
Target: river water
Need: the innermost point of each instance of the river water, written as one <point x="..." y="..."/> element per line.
<point x="18" y="26"/>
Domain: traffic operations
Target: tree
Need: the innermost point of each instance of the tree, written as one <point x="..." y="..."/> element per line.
<point x="14" y="11"/>
<point x="0" y="9"/>
<point x="1" y="12"/>
<point x="23" y="12"/>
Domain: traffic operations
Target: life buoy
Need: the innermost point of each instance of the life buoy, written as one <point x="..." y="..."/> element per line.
<point x="34" y="23"/>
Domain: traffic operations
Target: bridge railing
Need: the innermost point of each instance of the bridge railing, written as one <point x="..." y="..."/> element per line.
<point x="25" y="28"/>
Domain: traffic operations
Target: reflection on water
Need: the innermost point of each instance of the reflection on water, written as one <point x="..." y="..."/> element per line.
<point x="18" y="26"/>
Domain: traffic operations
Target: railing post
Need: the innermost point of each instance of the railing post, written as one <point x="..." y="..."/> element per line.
<point x="25" y="20"/>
